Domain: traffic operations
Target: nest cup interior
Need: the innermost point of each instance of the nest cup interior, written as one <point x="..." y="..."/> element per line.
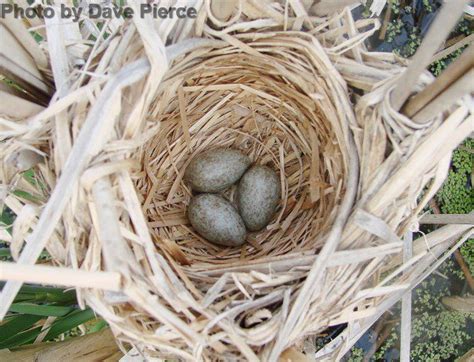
<point x="269" y="107"/>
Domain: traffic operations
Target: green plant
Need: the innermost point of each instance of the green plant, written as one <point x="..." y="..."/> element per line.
<point x="437" y="334"/>
<point x="464" y="27"/>
<point x="427" y="5"/>
<point x="439" y="66"/>
<point x="33" y="305"/>
<point x="395" y="6"/>
<point x="457" y="194"/>
<point x="467" y="251"/>
<point x="393" y="29"/>
<point x="396" y="26"/>
<point x="357" y="355"/>
<point x="410" y="47"/>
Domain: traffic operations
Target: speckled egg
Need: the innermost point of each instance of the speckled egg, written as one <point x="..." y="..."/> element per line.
<point x="258" y="195"/>
<point x="216" y="220"/>
<point x="215" y="170"/>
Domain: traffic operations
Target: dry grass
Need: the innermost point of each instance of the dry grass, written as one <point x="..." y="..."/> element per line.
<point x="237" y="100"/>
<point x="117" y="140"/>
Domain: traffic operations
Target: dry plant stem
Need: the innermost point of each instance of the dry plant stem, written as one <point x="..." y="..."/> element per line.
<point x="454" y="71"/>
<point x="16" y="107"/>
<point x="328" y="7"/>
<point x="442" y="219"/>
<point x="434" y="205"/>
<point x="468" y="356"/>
<point x="59" y="55"/>
<point x="98" y="122"/>
<point x="405" y="329"/>
<point x="426" y="267"/>
<point x="281" y="97"/>
<point x="383" y="330"/>
<point x="438" y="32"/>
<point x="426" y="250"/>
<point x="425" y="244"/>
<point x="465" y="269"/>
<point x="41" y="274"/>
<point x="426" y="151"/>
<point x="319" y="266"/>
<point x="462" y="86"/>
<point x="386" y="21"/>
<point x="12" y="50"/>
<point x="99" y="346"/>
<point x="454" y="40"/>
<point x="452" y="48"/>
<point x="293" y="355"/>
<point x="44" y="329"/>
<point x="116" y="253"/>
<point x="26" y="40"/>
<point x="25" y="80"/>
<point x="457" y="254"/>
<point x="386" y="332"/>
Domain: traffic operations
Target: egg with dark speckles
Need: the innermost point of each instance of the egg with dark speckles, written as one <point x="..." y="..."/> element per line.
<point x="216" y="220"/>
<point x="215" y="170"/>
<point x="258" y="195"/>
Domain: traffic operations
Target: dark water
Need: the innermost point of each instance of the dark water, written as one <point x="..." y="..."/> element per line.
<point x="446" y="282"/>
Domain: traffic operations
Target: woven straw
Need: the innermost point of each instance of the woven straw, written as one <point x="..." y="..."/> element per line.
<point x="313" y="105"/>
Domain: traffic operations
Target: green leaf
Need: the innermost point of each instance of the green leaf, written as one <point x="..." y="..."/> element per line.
<point x="17" y="324"/>
<point x="26" y="195"/>
<point x="6" y="219"/>
<point x="68" y="322"/>
<point x="98" y="326"/>
<point x="29" y="175"/>
<point x="30" y="293"/>
<point x="5" y="253"/>
<point x="21" y="338"/>
<point x="40" y="310"/>
<point x="27" y="288"/>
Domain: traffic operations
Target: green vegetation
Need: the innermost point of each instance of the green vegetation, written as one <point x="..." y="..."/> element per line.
<point x="357" y="355"/>
<point x="437" y="333"/>
<point x="457" y="194"/>
<point x="437" y="67"/>
<point x="394" y="28"/>
<point x="33" y="306"/>
<point x="467" y="252"/>
<point x="402" y="24"/>
<point x="442" y="335"/>
<point x="464" y="27"/>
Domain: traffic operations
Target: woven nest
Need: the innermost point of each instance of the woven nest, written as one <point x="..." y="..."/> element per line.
<point x="279" y="107"/>
<point x="315" y="106"/>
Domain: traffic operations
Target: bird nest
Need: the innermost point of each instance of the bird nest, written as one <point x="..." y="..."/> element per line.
<point x="313" y="105"/>
<point x="276" y="107"/>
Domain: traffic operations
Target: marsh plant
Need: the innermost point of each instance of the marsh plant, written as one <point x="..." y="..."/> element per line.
<point x="438" y="334"/>
<point x="457" y="194"/>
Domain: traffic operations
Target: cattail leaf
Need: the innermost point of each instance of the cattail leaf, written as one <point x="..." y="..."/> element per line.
<point x="40" y="310"/>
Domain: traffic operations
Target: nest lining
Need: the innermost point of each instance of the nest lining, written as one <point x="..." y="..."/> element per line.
<point x="279" y="97"/>
<point x="266" y="106"/>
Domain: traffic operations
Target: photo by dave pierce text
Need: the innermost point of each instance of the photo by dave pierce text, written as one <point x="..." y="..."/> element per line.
<point x="96" y="11"/>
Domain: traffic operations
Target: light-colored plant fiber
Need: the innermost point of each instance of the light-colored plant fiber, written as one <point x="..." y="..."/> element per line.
<point x="136" y="105"/>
